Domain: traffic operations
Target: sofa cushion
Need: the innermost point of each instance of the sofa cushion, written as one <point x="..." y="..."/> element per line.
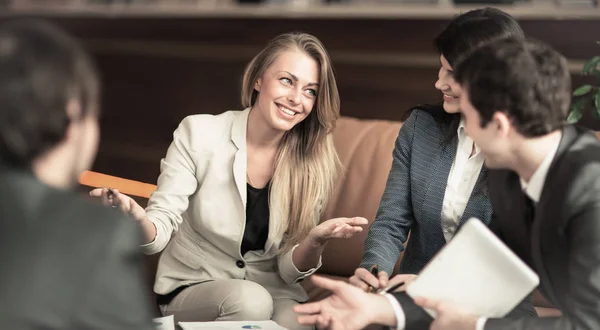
<point x="365" y="150"/>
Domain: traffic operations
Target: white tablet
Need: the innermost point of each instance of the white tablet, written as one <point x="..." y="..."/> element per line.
<point x="477" y="272"/>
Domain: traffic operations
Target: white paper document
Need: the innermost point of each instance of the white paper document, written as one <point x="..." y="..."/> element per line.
<point x="476" y="272"/>
<point x="164" y="323"/>
<point x="241" y="325"/>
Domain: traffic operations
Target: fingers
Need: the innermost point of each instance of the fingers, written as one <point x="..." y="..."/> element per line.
<point x="338" y="227"/>
<point x="334" y="286"/>
<point x="307" y="319"/>
<point x="308" y="308"/>
<point x="107" y="197"/>
<point x="324" y="322"/>
<point x="120" y="200"/>
<point x="103" y="194"/>
<point x="96" y="192"/>
<point x="406" y="278"/>
<point x="314" y="316"/>
<point x="383" y="279"/>
<point x="345" y="231"/>
<point x="319" y="320"/>
<point x="112" y="197"/>
<point x="357" y="221"/>
<point x="362" y="279"/>
<point x="357" y="282"/>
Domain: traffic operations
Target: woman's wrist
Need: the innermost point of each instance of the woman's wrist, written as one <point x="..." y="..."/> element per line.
<point x="314" y="242"/>
<point x="149" y="230"/>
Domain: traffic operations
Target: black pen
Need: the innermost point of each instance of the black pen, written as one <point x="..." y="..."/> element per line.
<point x="110" y="194"/>
<point x="389" y="288"/>
<point x="375" y="272"/>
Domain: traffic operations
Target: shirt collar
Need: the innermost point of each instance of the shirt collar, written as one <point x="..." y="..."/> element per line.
<point x="534" y="187"/>
<point x="462" y="136"/>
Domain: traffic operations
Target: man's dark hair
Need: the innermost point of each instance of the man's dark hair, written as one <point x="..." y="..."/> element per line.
<point x="526" y="79"/>
<point x="41" y="70"/>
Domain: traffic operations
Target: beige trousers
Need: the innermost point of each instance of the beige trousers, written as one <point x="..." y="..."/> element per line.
<point x="231" y="300"/>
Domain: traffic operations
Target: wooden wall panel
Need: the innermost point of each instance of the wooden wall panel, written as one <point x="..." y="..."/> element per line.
<point x="158" y="70"/>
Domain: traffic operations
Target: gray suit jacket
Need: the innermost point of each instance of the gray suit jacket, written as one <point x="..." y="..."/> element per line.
<point x="67" y="263"/>
<point x="413" y="197"/>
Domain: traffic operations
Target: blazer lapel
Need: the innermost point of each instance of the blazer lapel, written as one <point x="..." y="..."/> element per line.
<point x="240" y="161"/>
<point x="544" y="221"/>
<point x="440" y="179"/>
<point x="477" y="201"/>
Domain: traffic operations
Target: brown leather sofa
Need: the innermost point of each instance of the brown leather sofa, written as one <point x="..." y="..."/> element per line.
<point x="365" y="149"/>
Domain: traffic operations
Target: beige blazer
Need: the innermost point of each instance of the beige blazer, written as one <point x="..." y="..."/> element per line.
<point x="199" y="212"/>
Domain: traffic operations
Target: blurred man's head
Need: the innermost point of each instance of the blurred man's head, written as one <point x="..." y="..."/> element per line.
<point x="512" y="90"/>
<point x="49" y="102"/>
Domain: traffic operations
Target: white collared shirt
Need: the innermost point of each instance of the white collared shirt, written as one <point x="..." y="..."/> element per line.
<point x="461" y="181"/>
<point x="534" y="187"/>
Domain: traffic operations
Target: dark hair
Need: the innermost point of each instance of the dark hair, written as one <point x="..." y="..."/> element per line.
<point x="474" y="28"/>
<point x="41" y="70"/>
<point x="526" y="79"/>
<point x="463" y="34"/>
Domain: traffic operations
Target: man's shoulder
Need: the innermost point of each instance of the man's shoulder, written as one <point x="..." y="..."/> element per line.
<point x="581" y="157"/>
<point x="577" y="170"/>
<point x="71" y="242"/>
<point x="50" y="215"/>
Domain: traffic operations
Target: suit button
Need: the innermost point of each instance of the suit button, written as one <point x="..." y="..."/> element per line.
<point x="240" y="264"/>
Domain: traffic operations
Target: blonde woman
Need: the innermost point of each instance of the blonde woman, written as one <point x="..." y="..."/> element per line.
<point x="240" y="194"/>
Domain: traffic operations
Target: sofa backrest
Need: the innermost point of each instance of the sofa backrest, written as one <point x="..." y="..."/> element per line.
<point x="365" y="149"/>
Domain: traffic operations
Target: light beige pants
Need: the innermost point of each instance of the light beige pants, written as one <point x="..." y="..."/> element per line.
<point x="231" y="300"/>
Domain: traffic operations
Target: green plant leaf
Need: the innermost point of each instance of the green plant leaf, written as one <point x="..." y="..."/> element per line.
<point x="596" y="113"/>
<point x="597" y="101"/>
<point x="592" y="65"/>
<point x="582" y="90"/>
<point x="576" y="112"/>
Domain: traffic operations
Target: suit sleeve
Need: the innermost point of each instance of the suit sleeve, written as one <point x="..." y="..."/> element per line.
<point x="581" y="310"/>
<point x="118" y="295"/>
<point x="288" y="271"/>
<point x="389" y="231"/>
<point x="179" y="172"/>
<point x="416" y="318"/>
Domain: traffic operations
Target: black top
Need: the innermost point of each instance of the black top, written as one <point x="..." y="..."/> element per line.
<point x="257" y="219"/>
<point x="255" y="232"/>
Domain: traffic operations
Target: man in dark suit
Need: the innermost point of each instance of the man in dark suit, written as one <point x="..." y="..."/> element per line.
<point x="67" y="263"/>
<point x="545" y="192"/>
<point x="547" y="200"/>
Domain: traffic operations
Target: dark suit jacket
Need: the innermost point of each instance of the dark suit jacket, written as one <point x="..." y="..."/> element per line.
<point x="562" y="241"/>
<point x="67" y="263"/>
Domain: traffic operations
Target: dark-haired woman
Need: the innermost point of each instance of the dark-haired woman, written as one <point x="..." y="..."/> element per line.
<point x="437" y="180"/>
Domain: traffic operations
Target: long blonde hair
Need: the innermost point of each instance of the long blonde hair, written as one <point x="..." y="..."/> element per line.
<point x="306" y="163"/>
